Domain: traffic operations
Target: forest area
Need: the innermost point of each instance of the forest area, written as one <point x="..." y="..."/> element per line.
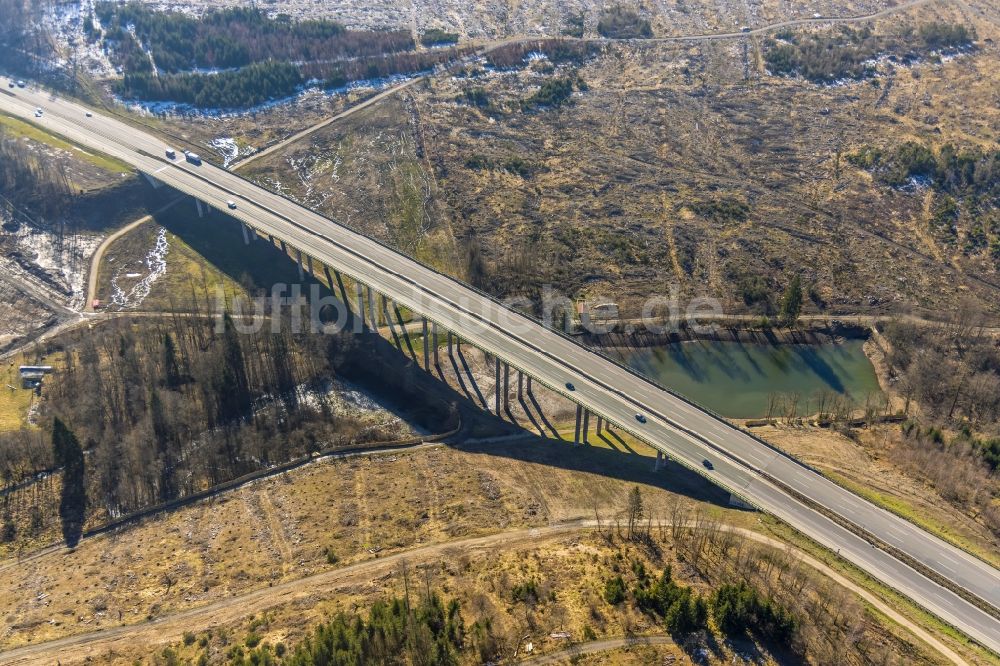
<point x="185" y="405"/>
<point x="965" y="182"/>
<point x="252" y="57"/>
<point x="849" y="53"/>
<point x="237" y="37"/>
<point x="949" y="378"/>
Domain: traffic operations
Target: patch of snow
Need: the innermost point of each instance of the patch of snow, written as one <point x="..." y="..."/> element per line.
<point x="228" y="149"/>
<point x="62" y="259"/>
<point x="156" y="265"/>
<point x="65" y="22"/>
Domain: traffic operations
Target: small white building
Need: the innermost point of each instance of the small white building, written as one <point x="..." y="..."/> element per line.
<point x="32" y="375"/>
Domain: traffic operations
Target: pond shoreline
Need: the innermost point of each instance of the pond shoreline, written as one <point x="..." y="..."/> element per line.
<point x="749" y="373"/>
<point x="817" y="333"/>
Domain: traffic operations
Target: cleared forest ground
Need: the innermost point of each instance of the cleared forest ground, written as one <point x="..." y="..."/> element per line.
<point x="362" y="511"/>
<point x="616" y="194"/>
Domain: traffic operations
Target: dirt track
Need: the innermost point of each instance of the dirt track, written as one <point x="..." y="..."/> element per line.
<point x="170" y="629"/>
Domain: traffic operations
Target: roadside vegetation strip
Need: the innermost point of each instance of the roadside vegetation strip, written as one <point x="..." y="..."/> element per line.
<point x="173" y="626"/>
<point x="901" y="509"/>
<point x="876" y="542"/>
<point x="32" y="131"/>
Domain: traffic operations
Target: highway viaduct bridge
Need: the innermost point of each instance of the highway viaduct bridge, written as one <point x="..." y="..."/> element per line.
<point x="955" y="586"/>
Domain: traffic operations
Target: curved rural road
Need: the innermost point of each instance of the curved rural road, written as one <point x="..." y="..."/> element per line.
<point x="170" y="628"/>
<point x="95" y="259"/>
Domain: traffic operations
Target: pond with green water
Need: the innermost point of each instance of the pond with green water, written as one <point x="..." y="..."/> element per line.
<point x="735" y="379"/>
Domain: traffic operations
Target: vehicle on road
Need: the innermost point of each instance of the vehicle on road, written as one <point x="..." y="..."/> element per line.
<point x="20" y="84"/>
<point x="193" y="158"/>
<point x="708" y="464"/>
<point x="89" y="114"/>
<point x="38" y="112"/>
<point x="231" y="204"/>
<point x="640" y="418"/>
<point x="570" y="387"/>
<point x="11" y="84"/>
<point x="745" y="28"/>
<point x="171" y="154"/>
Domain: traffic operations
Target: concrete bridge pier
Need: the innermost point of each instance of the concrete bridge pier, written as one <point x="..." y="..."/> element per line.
<point x="600" y="422"/>
<point x="359" y="292"/>
<point x="520" y="386"/>
<point x="586" y="426"/>
<point x="246" y="235"/>
<point x="392" y="322"/>
<point x="450" y="345"/>
<point x="506" y="385"/>
<point x="329" y="281"/>
<point x="427" y="347"/>
<point x="202" y="208"/>
<point x="496" y="385"/>
<point x="298" y="260"/>
<point x="661" y="460"/>
<point x="336" y="282"/>
<point x="372" y="312"/>
<point x="579" y="422"/>
<point x="434" y="334"/>
<point x="152" y="181"/>
<point x="333" y="290"/>
<point x="309" y="266"/>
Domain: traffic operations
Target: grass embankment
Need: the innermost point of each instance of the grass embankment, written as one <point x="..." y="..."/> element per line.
<point x="20" y="128"/>
<point x="902" y="508"/>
